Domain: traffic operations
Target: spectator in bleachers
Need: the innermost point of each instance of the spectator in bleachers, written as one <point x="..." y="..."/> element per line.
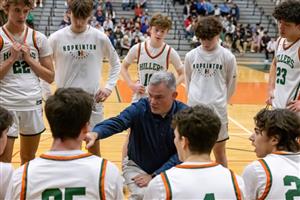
<point x="235" y="12"/>
<point x="125" y="45"/>
<point x="112" y="14"/>
<point x="145" y="26"/>
<point x="201" y="7"/>
<point x="108" y="24"/>
<point x="144" y="17"/>
<point x="187" y="10"/>
<point x="238" y="41"/>
<point x="138" y="11"/>
<point x="210" y="8"/>
<point x="108" y="5"/>
<point x="264" y="42"/>
<point x="225" y="9"/>
<point x="247" y="40"/>
<point x="118" y="36"/>
<point x="255" y="43"/>
<point x="135" y="40"/>
<point x="271" y="47"/>
<point x="137" y="33"/>
<point x="99" y="27"/>
<point x="65" y="22"/>
<point x="217" y="11"/>
<point x="100" y="15"/>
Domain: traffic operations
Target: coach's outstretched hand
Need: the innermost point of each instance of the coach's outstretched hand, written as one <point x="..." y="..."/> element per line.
<point x="90" y="139"/>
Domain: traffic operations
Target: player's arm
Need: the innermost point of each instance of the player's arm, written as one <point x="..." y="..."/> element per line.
<point x="15" y="52"/>
<point x="187" y="73"/>
<point x="136" y="87"/>
<point x="115" y="67"/>
<point x="231" y="77"/>
<point x="43" y="68"/>
<point x="271" y="82"/>
<point x="15" y="185"/>
<point x="176" y="62"/>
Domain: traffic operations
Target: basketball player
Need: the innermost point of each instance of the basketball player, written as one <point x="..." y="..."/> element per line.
<point x="210" y="73"/>
<point x="25" y="57"/>
<point x="6" y="169"/>
<point x="284" y="79"/>
<point x="198" y="177"/>
<point x="277" y="174"/>
<point x="152" y="55"/>
<point x="78" y="52"/>
<point x="66" y="172"/>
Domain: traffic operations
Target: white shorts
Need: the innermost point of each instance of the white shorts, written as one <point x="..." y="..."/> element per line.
<point x="97" y="115"/>
<point x="27" y="123"/>
<point x="223" y="134"/>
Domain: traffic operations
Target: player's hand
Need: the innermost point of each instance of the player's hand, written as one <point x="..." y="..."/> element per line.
<point x="26" y="52"/>
<point x="15" y="51"/>
<point x="270" y="98"/>
<point x="142" y="180"/>
<point x="102" y="94"/>
<point x="90" y="139"/>
<point x="137" y="88"/>
<point x="294" y="106"/>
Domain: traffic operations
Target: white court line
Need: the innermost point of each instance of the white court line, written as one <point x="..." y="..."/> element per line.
<point x="240" y="125"/>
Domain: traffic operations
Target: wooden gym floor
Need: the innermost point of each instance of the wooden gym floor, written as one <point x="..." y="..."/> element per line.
<point x="248" y="100"/>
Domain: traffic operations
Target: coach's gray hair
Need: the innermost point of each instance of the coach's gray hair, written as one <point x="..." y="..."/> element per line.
<point x="167" y="78"/>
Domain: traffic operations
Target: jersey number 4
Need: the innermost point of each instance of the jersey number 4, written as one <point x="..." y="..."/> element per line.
<point x="57" y="194"/>
<point x="290" y="194"/>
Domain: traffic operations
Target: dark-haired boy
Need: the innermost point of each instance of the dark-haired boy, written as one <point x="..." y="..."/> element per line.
<point x="210" y="74"/>
<point x="196" y="131"/>
<point x="66" y="172"/>
<point x="277" y="174"/>
<point x="284" y="79"/>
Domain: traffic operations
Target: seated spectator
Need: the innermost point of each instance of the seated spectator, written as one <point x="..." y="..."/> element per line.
<point x="65" y="22"/>
<point x="110" y="34"/>
<point x="217" y="11"/>
<point x="99" y="27"/>
<point x="271" y="47"/>
<point x="201" y="8"/>
<point x="125" y="45"/>
<point x="112" y="14"/>
<point x="247" y="40"/>
<point x="225" y="9"/>
<point x="196" y="131"/>
<point x="255" y="43"/>
<point x="108" y="5"/>
<point x="73" y="172"/>
<point x="108" y="24"/>
<point x="136" y="39"/>
<point x="100" y="16"/>
<point x="210" y="8"/>
<point x="276" y="174"/>
<point x="138" y="11"/>
<point x="235" y="12"/>
<point x="145" y="26"/>
<point x="6" y="169"/>
<point x="118" y="36"/>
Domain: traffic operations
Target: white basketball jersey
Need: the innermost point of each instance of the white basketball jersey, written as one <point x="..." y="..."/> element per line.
<point x="210" y="78"/>
<point x="149" y="64"/>
<point x="287" y="83"/>
<point x="6" y="171"/>
<point x="78" y="59"/>
<point x="197" y="181"/>
<point x="81" y="176"/>
<point x="277" y="176"/>
<point x="20" y="88"/>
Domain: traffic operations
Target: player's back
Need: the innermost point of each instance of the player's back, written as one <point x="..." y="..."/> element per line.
<point x="282" y="173"/>
<point x="201" y="181"/>
<point x="55" y="176"/>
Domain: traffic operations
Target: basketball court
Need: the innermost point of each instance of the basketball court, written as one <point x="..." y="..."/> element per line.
<point x="248" y="100"/>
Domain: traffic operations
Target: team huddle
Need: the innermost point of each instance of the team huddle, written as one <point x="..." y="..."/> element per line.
<point x="167" y="151"/>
